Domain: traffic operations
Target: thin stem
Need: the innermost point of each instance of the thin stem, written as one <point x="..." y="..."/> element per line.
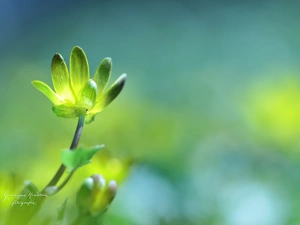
<point x="64" y="182"/>
<point x="73" y="145"/>
<point x="62" y="169"/>
<point x="78" y="132"/>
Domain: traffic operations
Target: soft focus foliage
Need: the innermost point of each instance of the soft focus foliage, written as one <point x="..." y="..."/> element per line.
<point x="210" y="114"/>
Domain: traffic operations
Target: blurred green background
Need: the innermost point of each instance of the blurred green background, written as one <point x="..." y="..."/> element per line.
<point x="210" y="112"/>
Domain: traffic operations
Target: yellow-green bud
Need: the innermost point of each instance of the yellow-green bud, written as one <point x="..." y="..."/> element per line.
<point x="105" y="198"/>
<point x="94" y="196"/>
<point x="84" y="198"/>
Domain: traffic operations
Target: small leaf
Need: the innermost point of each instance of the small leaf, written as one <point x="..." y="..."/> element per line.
<point x="61" y="213"/>
<point x="74" y="159"/>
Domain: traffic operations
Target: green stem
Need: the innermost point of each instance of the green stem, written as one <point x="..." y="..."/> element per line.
<point x="74" y="145"/>
<point x="13" y="217"/>
<point x="64" y="182"/>
<point x="16" y="213"/>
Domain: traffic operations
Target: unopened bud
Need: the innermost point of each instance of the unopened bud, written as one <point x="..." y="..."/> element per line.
<point x="106" y="197"/>
<point x="94" y="196"/>
<point x="99" y="182"/>
<point x="84" y="198"/>
<point x="111" y="190"/>
<point x="88" y="94"/>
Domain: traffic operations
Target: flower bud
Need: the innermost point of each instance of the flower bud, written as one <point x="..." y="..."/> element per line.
<point x="94" y="196"/>
<point x="99" y="181"/>
<point x="88" y="94"/>
<point x="84" y="198"/>
<point x="104" y="200"/>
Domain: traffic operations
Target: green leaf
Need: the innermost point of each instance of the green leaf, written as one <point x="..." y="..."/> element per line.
<point x="25" y="205"/>
<point x="73" y="159"/>
<point x="79" y="69"/>
<point x="47" y="91"/>
<point x="102" y="74"/>
<point x="61" y="213"/>
<point x="88" y="94"/>
<point x="60" y="77"/>
<point x="110" y="95"/>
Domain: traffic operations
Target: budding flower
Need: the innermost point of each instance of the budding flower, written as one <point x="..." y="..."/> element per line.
<point x="94" y="196"/>
<point x="104" y="200"/>
<point x="84" y="195"/>
<point x="75" y="92"/>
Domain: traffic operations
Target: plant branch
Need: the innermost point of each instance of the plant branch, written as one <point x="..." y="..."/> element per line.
<point x="64" y="182"/>
<point x="73" y="145"/>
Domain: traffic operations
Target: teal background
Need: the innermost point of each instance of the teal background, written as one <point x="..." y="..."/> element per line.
<point x="210" y="112"/>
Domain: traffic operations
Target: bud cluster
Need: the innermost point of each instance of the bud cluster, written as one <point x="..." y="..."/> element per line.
<point x="94" y="195"/>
